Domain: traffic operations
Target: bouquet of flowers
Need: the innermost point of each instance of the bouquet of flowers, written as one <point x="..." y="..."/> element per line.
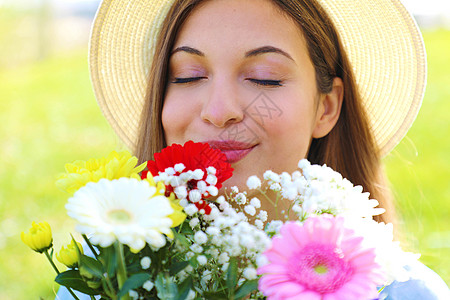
<point x="161" y="230"/>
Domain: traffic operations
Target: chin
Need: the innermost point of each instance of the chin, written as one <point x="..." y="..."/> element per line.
<point x="238" y="179"/>
<point x="234" y="182"/>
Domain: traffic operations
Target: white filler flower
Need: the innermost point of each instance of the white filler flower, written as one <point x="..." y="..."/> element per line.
<point x="125" y="209"/>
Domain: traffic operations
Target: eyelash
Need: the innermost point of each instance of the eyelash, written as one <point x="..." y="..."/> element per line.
<point x="187" y="80"/>
<point x="266" y="83"/>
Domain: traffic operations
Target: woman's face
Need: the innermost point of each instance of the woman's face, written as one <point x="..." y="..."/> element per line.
<point x="241" y="79"/>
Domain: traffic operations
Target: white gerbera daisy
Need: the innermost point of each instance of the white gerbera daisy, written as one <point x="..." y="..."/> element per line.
<point x="126" y="210"/>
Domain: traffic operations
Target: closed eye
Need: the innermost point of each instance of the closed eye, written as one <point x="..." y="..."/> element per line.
<point x="266" y="82"/>
<point x="187" y="79"/>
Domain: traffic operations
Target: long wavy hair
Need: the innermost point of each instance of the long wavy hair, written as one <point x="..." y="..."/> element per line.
<point x="349" y="148"/>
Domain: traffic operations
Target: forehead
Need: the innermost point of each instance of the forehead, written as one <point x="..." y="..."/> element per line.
<point x="240" y="25"/>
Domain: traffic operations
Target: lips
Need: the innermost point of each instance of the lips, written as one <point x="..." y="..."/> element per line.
<point x="233" y="150"/>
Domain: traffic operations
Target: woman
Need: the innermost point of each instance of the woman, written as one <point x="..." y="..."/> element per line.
<point x="267" y="82"/>
<point x="132" y="96"/>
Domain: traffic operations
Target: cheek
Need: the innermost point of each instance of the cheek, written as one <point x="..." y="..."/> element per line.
<point x="290" y="133"/>
<point x="296" y="116"/>
<point x="174" y="120"/>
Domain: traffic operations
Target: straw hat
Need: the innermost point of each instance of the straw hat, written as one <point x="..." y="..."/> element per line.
<point x="381" y="38"/>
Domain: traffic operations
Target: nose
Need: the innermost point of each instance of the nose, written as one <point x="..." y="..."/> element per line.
<point x="222" y="106"/>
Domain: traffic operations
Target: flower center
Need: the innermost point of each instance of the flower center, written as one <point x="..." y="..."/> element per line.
<point x="192" y="184"/>
<point x="321" y="268"/>
<point x="119" y="216"/>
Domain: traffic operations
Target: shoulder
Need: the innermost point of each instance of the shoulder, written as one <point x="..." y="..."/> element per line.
<point x="423" y="285"/>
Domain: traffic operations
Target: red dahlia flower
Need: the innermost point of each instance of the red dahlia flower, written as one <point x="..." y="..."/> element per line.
<point x="193" y="156"/>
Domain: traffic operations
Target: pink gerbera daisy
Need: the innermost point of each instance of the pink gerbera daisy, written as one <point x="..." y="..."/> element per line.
<point x="320" y="259"/>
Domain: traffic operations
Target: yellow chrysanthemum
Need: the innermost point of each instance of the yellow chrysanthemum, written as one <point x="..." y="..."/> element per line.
<point x="68" y="255"/>
<point x="114" y="166"/>
<point x="39" y="237"/>
<point x="178" y="216"/>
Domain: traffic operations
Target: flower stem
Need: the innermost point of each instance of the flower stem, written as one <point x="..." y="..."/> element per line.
<point x="121" y="269"/>
<point x="108" y="287"/>
<point x="267" y="197"/>
<point x="90" y="245"/>
<point x="57" y="272"/>
<point x="51" y="262"/>
<point x="276" y="205"/>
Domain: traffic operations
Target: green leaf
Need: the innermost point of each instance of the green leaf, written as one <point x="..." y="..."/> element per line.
<point x="181" y="238"/>
<point x="246" y="289"/>
<point x="232" y="276"/>
<point x="72" y="279"/>
<point x="109" y="260"/>
<point x="90" y="267"/>
<point x="133" y="282"/>
<point x="184" y="289"/>
<point x="214" y="295"/>
<point x="186" y="230"/>
<point x="194" y="262"/>
<point x="166" y="288"/>
<point x="177" y="267"/>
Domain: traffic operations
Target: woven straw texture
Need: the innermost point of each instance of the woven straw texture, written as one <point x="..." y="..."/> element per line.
<point x="382" y="40"/>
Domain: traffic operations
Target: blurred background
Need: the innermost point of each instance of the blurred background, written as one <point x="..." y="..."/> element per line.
<point x="49" y="117"/>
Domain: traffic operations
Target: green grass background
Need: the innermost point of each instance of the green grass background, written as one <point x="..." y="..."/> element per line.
<point x="49" y="117"/>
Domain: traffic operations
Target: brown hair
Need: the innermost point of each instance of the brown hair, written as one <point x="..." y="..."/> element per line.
<point x="349" y="148"/>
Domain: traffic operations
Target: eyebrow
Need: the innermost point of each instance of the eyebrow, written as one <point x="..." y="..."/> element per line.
<point x="267" y="49"/>
<point x="254" y="52"/>
<point x="188" y="50"/>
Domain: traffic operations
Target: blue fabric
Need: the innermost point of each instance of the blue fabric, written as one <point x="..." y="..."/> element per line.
<point x="63" y="294"/>
<point x="423" y="285"/>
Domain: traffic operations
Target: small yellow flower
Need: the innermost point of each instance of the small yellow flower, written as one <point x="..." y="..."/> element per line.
<point x="39" y="237"/>
<point x="114" y="166"/>
<point x="178" y="216"/>
<point x="68" y="255"/>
